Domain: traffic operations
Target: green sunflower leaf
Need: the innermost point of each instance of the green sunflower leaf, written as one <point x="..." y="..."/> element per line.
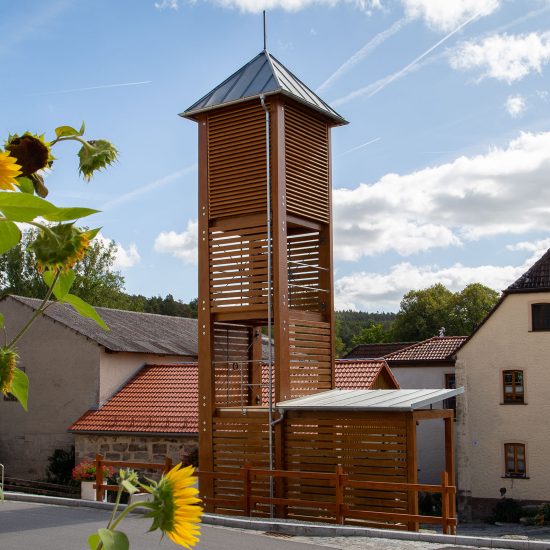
<point x="26" y="185"/>
<point x="66" y="214"/>
<point x="96" y="155"/>
<point x="82" y="129"/>
<point x="20" y="387"/>
<point x="65" y="131"/>
<point x="1" y="321"/>
<point x="63" y="284"/>
<point x="10" y="235"/>
<point x="92" y="233"/>
<point x="93" y="541"/>
<point x="84" y="309"/>
<point x="113" y="540"/>
<point x="22" y="207"/>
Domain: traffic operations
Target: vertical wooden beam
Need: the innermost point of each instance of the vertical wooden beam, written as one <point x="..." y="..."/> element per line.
<point x="412" y="469"/>
<point x="450" y="463"/>
<point x="326" y="260"/>
<point x="98" y="477"/>
<point x="206" y="332"/>
<point x="280" y="256"/>
<point x="280" y="280"/>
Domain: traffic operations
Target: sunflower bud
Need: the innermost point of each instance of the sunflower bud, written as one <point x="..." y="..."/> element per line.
<point x="95" y="155"/>
<point x="31" y="152"/>
<point x="8" y="362"/>
<point x="60" y="247"/>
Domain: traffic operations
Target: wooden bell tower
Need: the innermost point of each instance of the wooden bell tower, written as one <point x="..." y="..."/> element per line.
<point x="265" y="262"/>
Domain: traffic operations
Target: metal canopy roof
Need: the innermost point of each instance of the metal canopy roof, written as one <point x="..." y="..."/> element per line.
<point x="370" y="400"/>
<point x="262" y="75"/>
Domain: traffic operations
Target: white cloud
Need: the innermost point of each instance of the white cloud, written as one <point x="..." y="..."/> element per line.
<point x="124" y="257"/>
<point x="515" y="105"/>
<point x="181" y="245"/>
<point x="508" y="58"/>
<point x="384" y="291"/>
<point x="167" y="4"/>
<point x="504" y="191"/>
<point x="445" y="15"/>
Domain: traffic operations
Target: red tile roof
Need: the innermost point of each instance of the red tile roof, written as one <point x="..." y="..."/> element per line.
<point x="159" y="399"/>
<point x="164" y="398"/>
<point x="438" y="348"/>
<point x="375" y="351"/>
<point x="361" y="375"/>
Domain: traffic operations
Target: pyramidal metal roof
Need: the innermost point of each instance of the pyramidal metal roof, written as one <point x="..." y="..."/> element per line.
<point x="263" y="75"/>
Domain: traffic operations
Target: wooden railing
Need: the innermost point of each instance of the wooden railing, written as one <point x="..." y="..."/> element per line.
<point x="338" y="507"/>
<point x="100" y="488"/>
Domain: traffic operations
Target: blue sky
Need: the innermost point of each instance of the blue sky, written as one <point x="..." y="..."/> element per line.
<point x="442" y="175"/>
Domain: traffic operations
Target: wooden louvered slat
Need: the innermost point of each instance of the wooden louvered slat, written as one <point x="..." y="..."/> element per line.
<point x="237" y="162"/>
<point x="307" y="164"/>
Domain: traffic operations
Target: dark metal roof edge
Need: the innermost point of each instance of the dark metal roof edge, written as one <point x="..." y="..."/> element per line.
<point x="525" y="290"/>
<point x="191" y="114"/>
<point x="328" y="110"/>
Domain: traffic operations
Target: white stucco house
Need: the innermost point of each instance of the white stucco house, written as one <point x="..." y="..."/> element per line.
<point x="428" y="364"/>
<point x="75" y="366"/>
<point x="503" y="429"/>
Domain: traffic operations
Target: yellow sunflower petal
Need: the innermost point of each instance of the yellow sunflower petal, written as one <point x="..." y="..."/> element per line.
<point x="9" y="170"/>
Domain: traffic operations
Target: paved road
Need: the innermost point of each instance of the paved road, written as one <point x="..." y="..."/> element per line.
<point x="30" y="526"/>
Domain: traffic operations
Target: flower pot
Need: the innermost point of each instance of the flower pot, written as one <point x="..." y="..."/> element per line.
<point x="87" y="491"/>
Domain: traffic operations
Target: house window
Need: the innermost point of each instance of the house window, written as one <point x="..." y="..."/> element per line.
<point x="515" y="459"/>
<point x="450" y="384"/>
<point x="512" y="383"/>
<point x="540" y="316"/>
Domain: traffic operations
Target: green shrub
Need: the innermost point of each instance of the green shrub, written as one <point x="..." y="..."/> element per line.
<point x="508" y="510"/>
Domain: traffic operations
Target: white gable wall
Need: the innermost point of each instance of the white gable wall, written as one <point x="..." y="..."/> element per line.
<point x="504" y="342"/>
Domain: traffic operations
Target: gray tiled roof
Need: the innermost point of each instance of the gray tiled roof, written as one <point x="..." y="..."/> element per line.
<point x="537" y="277"/>
<point x="129" y="330"/>
<point x="262" y="75"/>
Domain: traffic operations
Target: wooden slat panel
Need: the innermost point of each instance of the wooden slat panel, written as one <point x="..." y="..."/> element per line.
<point x="307" y="164"/>
<point x="237" y="161"/>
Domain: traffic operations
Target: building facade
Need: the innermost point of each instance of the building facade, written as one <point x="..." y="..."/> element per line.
<point x="503" y="443"/>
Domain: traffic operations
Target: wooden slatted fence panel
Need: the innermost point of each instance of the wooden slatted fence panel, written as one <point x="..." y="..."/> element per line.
<point x="240" y="440"/>
<point x="310" y="356"/>
<point x="367" y="447"/>
<point x="237" y="161"/>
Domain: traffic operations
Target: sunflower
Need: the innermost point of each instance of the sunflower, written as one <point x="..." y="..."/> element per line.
<point x="9" y="170"/>
<point x="60" y="246"/>
<point x="174" y="507"/>
<point x="31" y="151"/>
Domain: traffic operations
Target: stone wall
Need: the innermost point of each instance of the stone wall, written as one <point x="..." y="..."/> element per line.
<point x="134" y="448"/>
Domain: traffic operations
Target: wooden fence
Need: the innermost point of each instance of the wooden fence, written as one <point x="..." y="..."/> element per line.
<point x="340" y="511"/>
<point x="100" y="488"/>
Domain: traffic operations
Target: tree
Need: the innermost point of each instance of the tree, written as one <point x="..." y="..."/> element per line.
<point x="472" y="305"/>
<point x="372" y="334"/>
<point x="95" y="281"/>
<point x="424" y="312"/>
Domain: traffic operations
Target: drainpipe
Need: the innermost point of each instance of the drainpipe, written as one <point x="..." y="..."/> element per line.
<point x="269" y="298"/>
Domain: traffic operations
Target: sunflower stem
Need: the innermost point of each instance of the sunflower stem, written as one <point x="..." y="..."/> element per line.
<point x="38" y="312"/>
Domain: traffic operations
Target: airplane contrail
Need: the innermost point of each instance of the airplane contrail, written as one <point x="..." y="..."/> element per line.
<point x="363" y="52"/>
<point x="102" y="87"/>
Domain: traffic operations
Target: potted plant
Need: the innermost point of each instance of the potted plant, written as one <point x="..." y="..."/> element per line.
<point x="85" y="472"/>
